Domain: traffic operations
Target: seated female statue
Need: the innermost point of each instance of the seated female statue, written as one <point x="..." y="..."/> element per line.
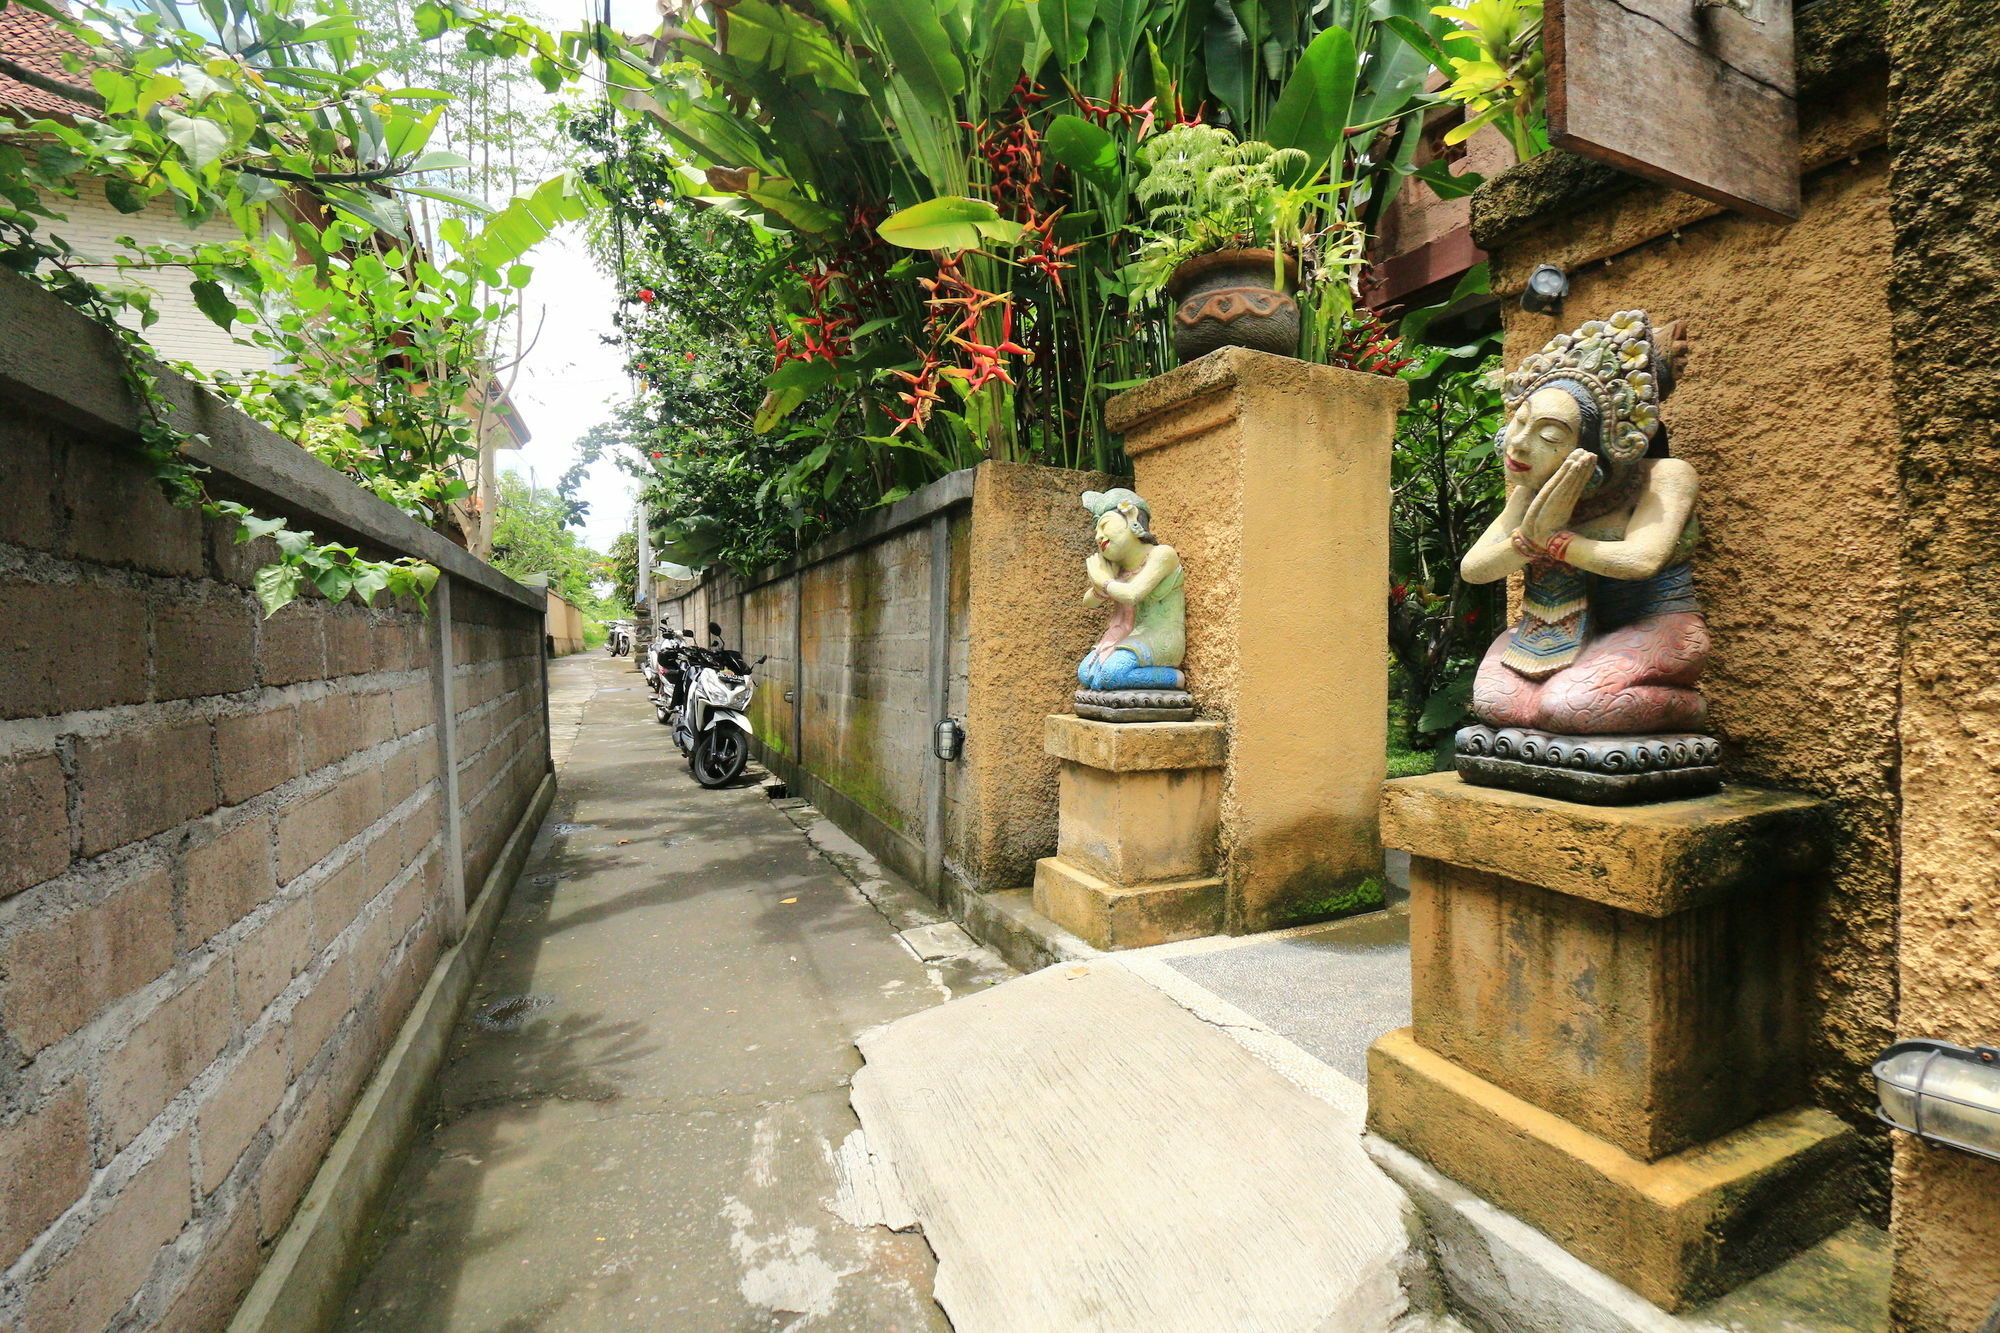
<point x="1611" y="640"/>
<point x="1145" y="641"/>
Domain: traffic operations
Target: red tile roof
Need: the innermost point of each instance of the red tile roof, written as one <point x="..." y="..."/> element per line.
<point x="34" y="40"/>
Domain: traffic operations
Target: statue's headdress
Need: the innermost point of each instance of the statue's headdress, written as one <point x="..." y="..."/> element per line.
<point x="1619" y="364"/>
<point x="1136" y="511"/>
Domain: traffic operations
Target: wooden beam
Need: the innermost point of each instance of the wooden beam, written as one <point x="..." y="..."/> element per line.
<point x="1700" y="97"/>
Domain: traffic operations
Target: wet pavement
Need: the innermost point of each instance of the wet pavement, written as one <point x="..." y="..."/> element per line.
<point x="644" y="1121"/>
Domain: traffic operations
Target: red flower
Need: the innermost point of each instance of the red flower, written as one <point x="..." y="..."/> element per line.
<point x="646" y="295"/>
<point x="659" y="455"/>
<point x="690" y="356"/>
<point x="1397" y="593"/>
<point x="1471" y="617"/>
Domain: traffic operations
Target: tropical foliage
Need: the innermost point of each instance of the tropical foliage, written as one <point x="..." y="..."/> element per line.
<point x="1447" y="485"/>
<point x="945" y="199"/>
<point x="272" y="115"/>
<point x="530" y="537"/>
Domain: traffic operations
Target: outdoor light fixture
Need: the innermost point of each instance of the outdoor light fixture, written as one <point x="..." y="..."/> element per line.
<point x="1547" y="286"/>
<point x="948" y="739"/>
<point x="1942" y="1094"/>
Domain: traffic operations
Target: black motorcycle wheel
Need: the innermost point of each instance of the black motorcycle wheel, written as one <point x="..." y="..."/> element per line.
<point x="719" y="756"/>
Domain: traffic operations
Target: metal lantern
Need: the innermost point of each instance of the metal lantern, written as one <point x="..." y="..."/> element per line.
<point x="1942" y="1093"/>
<point x="948" y="739"/>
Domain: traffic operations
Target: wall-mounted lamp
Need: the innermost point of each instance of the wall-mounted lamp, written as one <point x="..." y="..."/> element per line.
<point x="1547" y="286"/>
<point x="1942" y="1093"/>
<point x="948" y="739"/>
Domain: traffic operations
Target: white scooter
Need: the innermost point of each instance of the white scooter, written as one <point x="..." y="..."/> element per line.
<point x="712" y="727"/>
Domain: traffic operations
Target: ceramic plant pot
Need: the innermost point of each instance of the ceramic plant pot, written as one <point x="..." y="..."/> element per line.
<point x="1227" y="299"/>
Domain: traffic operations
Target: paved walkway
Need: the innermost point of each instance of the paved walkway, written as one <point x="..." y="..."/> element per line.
<point x="645" y="1121"/>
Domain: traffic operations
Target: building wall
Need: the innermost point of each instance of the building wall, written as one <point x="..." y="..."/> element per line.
<point x="182" y="333"/>
<point x="565" y="626"/>
<point x="224" y="875"/>
<point x="1945" y="285"/>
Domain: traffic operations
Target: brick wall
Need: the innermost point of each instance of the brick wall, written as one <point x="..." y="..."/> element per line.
<point x="224" y="874"/>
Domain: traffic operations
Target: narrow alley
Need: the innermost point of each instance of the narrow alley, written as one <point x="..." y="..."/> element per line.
<point x="668" y="1013"/>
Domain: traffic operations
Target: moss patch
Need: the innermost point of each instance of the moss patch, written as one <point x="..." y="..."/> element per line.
<point x="1363" y="896"/>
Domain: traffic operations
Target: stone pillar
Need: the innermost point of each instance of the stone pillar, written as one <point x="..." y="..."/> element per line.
<point x="1135" y="860"/>
<point x="1270" y="476"/>
<point x="1608" y="1035"/>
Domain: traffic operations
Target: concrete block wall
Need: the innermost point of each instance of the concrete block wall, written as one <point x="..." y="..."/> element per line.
<point x="502" y="740"/>
<point x="223" y="861"/>
<point x="1008" y="627"/>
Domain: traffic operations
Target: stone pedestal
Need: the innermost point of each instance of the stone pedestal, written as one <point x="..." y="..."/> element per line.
<point x="1270" y="476"/>
<point x="1608" y="1030"/>
<point x="1136" y="853"/>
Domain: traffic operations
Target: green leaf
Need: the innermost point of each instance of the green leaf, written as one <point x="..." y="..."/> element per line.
<point x="123" y="195"/>
<point x="333" y="581"/>
<point x="1448" y="707"/>
<point x="1066" y="23"/>
<point x="202" y="141"/>
<point x="1437" y="174"/>
<point x="1084" y="148"/>
<point x="213" y="301"/>
<point x="1425" y="44"/>
<point x="1229" y="60"/>
<point x="807" y="375"/>
<point x="369" y="579"/>
<point x="440" y="160"/>
<point x="431" y="20"/>
<point x="1312" y="112"/>
<point x="250" y="527"/>
<point x="914" y="39"/>
<point x="948" y="222"/>
<point x="276" y="585"/>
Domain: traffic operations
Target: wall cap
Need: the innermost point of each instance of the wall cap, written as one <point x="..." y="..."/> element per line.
<point x="1200" y="390"/>
<point x="1655" y="860"/>
<point x="953" y="488"/>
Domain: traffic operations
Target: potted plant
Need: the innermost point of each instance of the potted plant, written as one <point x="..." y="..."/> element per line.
<point x="1224" y="224"/>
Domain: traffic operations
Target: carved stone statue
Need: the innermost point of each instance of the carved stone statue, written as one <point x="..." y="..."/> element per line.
<point x="1133" y="673"/>
<point x="1593" y="695"/>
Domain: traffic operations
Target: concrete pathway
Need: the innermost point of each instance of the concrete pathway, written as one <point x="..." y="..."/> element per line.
<point x="645" y="1121"/>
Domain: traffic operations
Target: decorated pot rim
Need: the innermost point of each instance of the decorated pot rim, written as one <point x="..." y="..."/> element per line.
<point x="1191" y="269"/>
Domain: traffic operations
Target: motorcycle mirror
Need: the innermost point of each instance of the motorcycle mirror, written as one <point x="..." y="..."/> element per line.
<point x="714" y="629"/>
<point x="765" y="658"/>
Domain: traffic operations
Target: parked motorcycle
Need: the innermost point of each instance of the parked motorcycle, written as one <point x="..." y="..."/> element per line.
<point x="712" y="724"/>
<point x="666" y="675"/>
<point x="619" y="641"/>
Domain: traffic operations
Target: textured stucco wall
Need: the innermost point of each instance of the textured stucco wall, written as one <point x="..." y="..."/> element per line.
<point x="1785" y="410"/>
<point x="1271" y="477"/>
<point x="1027" y="627"/>
<point x="1945" y="295"/>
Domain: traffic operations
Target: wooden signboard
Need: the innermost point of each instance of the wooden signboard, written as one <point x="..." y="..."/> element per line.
<point x="1696" y="96"/>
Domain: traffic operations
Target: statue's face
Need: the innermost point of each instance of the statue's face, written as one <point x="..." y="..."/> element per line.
<point x="1540" y="434"/>
<point x="1115" y="537"/>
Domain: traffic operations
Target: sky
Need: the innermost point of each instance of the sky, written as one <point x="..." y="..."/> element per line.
<point x="570" y="380"/>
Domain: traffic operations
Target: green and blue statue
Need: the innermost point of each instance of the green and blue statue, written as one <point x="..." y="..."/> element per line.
<point x="1133" y="674"/>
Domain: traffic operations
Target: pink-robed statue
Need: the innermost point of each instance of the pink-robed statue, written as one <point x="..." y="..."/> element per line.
<point x="1593" y="694"/>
